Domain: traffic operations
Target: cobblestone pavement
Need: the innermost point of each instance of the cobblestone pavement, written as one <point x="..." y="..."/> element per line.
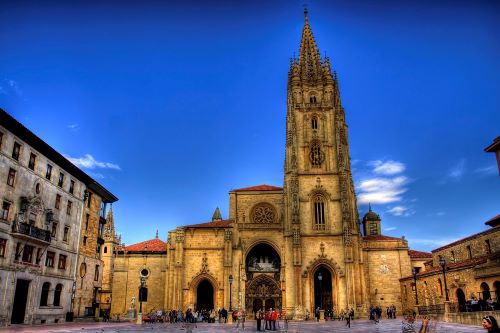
<point x="357" y="326"/>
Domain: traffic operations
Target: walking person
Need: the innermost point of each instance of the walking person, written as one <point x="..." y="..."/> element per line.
<point x="258" y="316"/>
<point x="316" y="313"/>
<point x="490" y="323"/>
<point x="274" y="317"/>
<point x="348" y="320"/>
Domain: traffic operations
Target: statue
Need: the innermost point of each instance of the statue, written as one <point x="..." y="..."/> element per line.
<point x="132" y="303"/>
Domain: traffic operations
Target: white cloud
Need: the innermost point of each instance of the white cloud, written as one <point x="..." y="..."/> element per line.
<point x="89" y="162"/>
<point x="390" y="228"/>
<point x="399" y="211"/>
<point x="438" y="242"/>
<point x="489" y="170"/>
<point x="457" y="171"/>
<point x="382" y="190"/>
<point x="387" y="168"/>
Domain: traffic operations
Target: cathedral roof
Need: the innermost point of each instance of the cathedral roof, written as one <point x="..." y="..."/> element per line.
<point x="154" y="245"/>
<point x="419" y="254"/>
<point x="262" y="187"/>
<point x="380" y="238"/>
<point x="482" y="233"/>
<point x="494" y="221"/>
<point x="214" y="224"/>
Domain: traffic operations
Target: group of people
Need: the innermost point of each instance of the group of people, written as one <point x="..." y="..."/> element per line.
<point x="270" y="318"/>
<point x="375" y="313"/>
<point x="391" y="312"/>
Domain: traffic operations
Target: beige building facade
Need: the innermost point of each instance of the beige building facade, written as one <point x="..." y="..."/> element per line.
<point x="296" y="247"/>
<point x="43" y="202"/>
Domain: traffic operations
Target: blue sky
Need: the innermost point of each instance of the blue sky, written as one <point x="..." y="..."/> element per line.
<point x="170" y="106"/>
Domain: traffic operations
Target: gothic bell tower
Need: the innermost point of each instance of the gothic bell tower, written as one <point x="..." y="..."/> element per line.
<point x="318" y="188"/>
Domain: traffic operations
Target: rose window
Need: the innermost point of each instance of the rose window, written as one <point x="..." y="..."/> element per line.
<point x="264" y="213"/>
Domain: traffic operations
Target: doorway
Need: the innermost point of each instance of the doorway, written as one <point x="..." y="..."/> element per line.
<point x="323" y="288"/>
<point x="461" y="300"/>
<point x="205" y="296"/>
<point x="20" y="299"/>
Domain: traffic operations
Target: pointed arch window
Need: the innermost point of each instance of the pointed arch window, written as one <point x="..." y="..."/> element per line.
<point x="314" y="122"/>
<point x="316" y="155"/>
<point x="319" y="208"/>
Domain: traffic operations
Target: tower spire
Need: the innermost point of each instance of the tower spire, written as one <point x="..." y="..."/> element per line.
<point x="310" y="67"/>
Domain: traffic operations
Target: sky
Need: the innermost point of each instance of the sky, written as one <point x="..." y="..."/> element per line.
<point x="171" y="105"/>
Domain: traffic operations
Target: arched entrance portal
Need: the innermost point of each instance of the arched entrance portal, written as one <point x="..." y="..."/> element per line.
<point x="323" y="295"/>
<point x="204" y="296"/>
<point x="263" y="271"/>
<point x="485" y="291"/>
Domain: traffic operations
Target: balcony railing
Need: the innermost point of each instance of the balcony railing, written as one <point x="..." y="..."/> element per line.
<point x="31" y="232"/>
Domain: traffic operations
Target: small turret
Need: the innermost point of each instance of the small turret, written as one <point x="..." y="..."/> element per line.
<point x="327" y="72"/>
<point x="217" y="215"/>
<point x="371" y="223"/>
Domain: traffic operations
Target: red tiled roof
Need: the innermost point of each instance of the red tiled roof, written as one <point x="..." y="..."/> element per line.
<point x="419" y="254"/>
<point x="214" y="224"/>
<point x="262" y="187"/>
<point x="380" y="238"/>
<point x="452" y="266"/>
<point x="152" y="245"/>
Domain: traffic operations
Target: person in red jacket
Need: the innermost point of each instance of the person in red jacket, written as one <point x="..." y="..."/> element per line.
<point x="267" y="319"/>
<point x="274" y="317"/>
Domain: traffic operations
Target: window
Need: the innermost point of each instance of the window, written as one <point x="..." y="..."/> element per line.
<point x="11" y="178"/>
<point x="469" y="251"/>
<point x="316" y="155"/>
<point x="105" y="249"/>
<point x="373" y="229"/>
<point x="487" y="246"/>
<point x="28" y="253"/>
<point x="71" y="186"/>
<point x="96" y="274"/>
<point x="54" y="230"/>
<point x="453" y="259"/>
<point x="89" y="199"/>
<point x="49" y="259"/>
<point x="18" y="251"/>
<point x="87" y="221"/>
<point x="58" y="201"/>
<point x="38" y="257"/>
<point x="68" y="207"/>
<point x="319" y="213"/>
<point x="60" y="182"/>
<point x="83" y="269"/>
<point x="57" y="295"/>
<point x="32" y="219"/>
<point x="31" y="163"/>
<point x="84" y="240"/>
<point x="5" y="211"/>
<point x="48" y="174"/>
<point x="45" y="294"/>
<point x="312" y="99"/>
<point x="62" y="262"/>
<point x="66" y="232"/>
<point x="16" y="150"/>
<point x="3" y="246"/>
<point x="314" y="122"/>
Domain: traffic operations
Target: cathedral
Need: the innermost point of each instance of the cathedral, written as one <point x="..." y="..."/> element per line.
<point x="296" y="247"/>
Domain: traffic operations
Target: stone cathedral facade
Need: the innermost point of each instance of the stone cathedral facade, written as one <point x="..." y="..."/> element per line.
<point x="296" y="247"/>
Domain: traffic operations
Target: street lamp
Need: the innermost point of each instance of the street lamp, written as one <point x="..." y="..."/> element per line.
<point x="230" y="292"/>
<point x="442" y="263"/>
<point x="320" y="278"/>
<point x="141" y="296"/>
<point x="414" y="272"/>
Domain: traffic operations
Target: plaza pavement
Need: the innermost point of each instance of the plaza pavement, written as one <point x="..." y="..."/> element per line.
<point x="357" y="326"/>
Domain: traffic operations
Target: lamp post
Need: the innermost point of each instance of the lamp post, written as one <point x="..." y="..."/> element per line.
<point x="442" y="263"/>
<point x="141" y="294"/>
<point x="414" y="272"/>
<point x="230" y="292"/>
<point x="320" y="278"/>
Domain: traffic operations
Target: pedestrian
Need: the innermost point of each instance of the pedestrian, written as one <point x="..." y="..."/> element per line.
<point x="267" y="319"/>
<point x="274" y="317"/>
<point x="409" y="325"/>
<point x="348" y="321"/>
<point x="258" y="316"/>
<point x="316" y="313"/>
<point x="490" y="323"/>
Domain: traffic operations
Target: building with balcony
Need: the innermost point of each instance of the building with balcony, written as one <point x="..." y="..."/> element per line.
<point x="43" y="198"/>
